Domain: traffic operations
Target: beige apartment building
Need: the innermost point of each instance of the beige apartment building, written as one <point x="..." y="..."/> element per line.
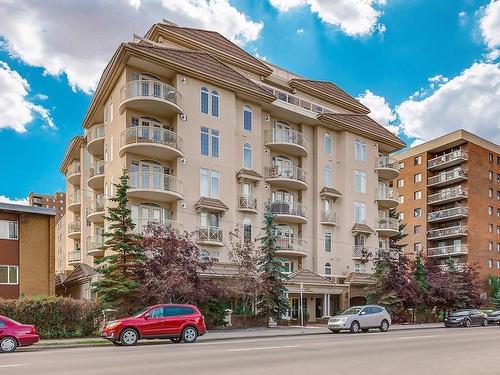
<point x="210" y="136"/>
<point x="449" y="192"/>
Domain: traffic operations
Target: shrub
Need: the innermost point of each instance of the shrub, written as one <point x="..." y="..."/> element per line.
<point x="55" y="316"/>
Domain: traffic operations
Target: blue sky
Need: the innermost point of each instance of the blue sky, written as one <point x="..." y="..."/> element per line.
<point x="429" y="66"/>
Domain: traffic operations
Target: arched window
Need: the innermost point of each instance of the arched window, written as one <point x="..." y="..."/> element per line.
<point x="247" y="156"/>
<point x="328" y="241"/>
<point x="247" y="118"/>
<point x="328" y="269"/>
<point x="204" y="100"/>
<point x="247" y="230"/>
<point x="215" y="103"/>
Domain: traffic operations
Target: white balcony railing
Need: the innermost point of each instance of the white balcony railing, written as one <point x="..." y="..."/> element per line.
<point x="447" y="158"/>
<point x="75" y="226"/>
<point x="288" y="136"/>
<point x="387" y="223"/>
<point x="96" y="168"/>
<point x="291" y="243"/>
<point x="447" y="194"/>
<point x="456" y="231"/>
<point x="73" y="198"/>
<point x="247" y="202"/>
<point x="387" y="193"/>
<point x="95" y="243"/>
<point x="74" y="256"/>
<point x="151" y="134"/>
<point x="74" y="168"/>
<point x="155" y="181"/>
<point x="447" y="213"/>
<point x="287" y="208"/>
<point x="96" y="205"/>
<point x="95" y="132"/>
<point x="296" y="101"/>
<point x="288" y="172"/>
<point x="448" y="250"/>
<point x="141" y="222"/>
<point x="447" y="176"/>
<point x="385" y="161"/>
<point x="210" y="234"/>
<point x="151" y="89"/>
<point x="328" y="216"/>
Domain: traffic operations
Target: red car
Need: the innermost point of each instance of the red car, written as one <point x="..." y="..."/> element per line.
<point x="14" y="334"/>
<point x="175" y="322"/>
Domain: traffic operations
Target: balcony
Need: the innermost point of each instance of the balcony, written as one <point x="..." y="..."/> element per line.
<point x="247" y="203"/>
<point x="361" y="251"/>
<point x="387" y="167"/>
<point x="74" y="202"/>
<point x="447" y="195"/>
<point x="74" y="230"/>
<point x="95" y="140"/>
<point x="154" y="186"/>
<point x="95" y="211"/>
<point x="288" y="212"/>
<point x="447" y="214"/>
<point x="450" y="232"/>
<point x="74" y="258"/>
<point x="387" y="197"/>
<point x="152" y="97"/>
<point x="142" y="222"/>
<point x="328" y="217"/>
<point x="95" y="246"/>
<point x="290" y="142"/>
<point x="447" y="160"/>
<point x="447" y="178"/>
<point x="388" y="227"/>
<point x="74" y="173"/>
<point x="153" y="142"/>
<point x="446" y="251"/>
<point x="210" y="236"/>
<point x="290" y="246"/>
<point x="286" y="177"/>
<point x="96" y="175"/>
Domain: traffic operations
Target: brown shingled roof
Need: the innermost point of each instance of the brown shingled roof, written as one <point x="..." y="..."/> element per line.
<point x="363" y="124"/>
<point x="362" y="228"/>
<point x="330" y="192"/>
<point x="211" y="203"/>
<point x="359" y="278"/>
<point x="249" y="174"/>
<point x="329" y="91"/>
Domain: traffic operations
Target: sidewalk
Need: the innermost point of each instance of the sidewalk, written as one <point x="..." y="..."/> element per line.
<point x="214" y="335"/>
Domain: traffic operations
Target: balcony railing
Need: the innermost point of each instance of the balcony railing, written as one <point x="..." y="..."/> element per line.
<point x="210" y="234"/>
<point x="74" y="168"/>
<point x="447" y="158"/>
<point x="75" y="256"/>
<point x="447" y="194"/>
<point x="385" y="161"/>
<point x="288" y="172"/>
<point x="95" y="243"/>
<point x="328" y="216"/>
<point x="291" y="243"/>
<point x="287" y="208"/>
<point x="247" y="202"/>
<point x="155" y="181"/>
<point x="96" y="205"/>
<point x="74" y="227"/>
<point x="296" y="101"/>
<point x="387" y="193"/>
<point x="447" y="250"/>
<point x="447" y="213"/>
<point x="73" y="198"/>
<point x="387" y="224"/>
<point x="142" y="222"/>
<point x="455" y="231"/>
<point x="447" y="176"/>
<point x="151" y="134"/>
<point x="96" y="168"/>
<point x="290" y="136"/>
<point x="95" y="132"/>
<point x="151" y="89"/>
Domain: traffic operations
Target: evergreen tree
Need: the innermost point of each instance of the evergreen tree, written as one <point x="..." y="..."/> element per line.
<point x="494" y="284"/>
<point x="118" y="269"/>
<point x="272" y="301"/>
<point x="422" y="284"/>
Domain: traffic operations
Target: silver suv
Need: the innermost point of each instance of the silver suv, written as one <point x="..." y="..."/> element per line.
<point x="362" y="318"/>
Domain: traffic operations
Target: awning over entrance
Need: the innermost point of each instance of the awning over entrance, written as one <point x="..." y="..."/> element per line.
<point x="313" y="283"/>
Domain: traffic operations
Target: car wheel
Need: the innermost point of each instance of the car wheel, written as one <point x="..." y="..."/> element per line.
<point x="176" y="340"/>
<point x="8" y="344"/>
<point x="467" y="323"/>
<point x="384" y="326"/>
<point x="354" y="327"/>
<point x="484" y="322"/>
<point x="335" y="331"/>
<point x="189" y="335"/>
<point x="129" y="337"/>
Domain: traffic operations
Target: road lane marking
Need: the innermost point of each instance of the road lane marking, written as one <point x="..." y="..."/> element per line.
<point x="13" y="365"/>
<point x="264" y="348"/>
<point x="418" y="337"/>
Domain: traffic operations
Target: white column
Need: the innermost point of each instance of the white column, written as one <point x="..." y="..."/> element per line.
<point x="325" y="304"/>
<point x="328" y="309"/>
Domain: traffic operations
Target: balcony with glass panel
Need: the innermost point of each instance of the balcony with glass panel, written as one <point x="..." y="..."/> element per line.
<point x="74" y="258"/>
<point x="288" y="212"/>
<point x="286" y="177"/>
<point x="387" y="167"/>
<point x="387" y="227"/>
<point x="96" y="175"/>
<point x="210" y="236"/>
<point x="387" y="197"/>
<point x="154" y="186"/>
<point x="74" y="173"/>
<point x="151" y="96"/>
<point x="74" y="230"/>
<point x="447" y="195"/>
<point x="142" y="222"/>
<point x="328" y="217"/>
<point x="449" y="232"/>
<point x="152" y="141"/>
<point x="447" y="160"/>
<point x="446" y="251"/>
<point x="287" y="141"/>
<point x="447" y="178"/>
<point x="95" y="245"/>
<point x="447" y="214"/>
<point x="95" y="140"/>
<point x="291" y="246"/>
<point x="95" y="210"/>
<point x="247" y="203"/>
<point x="73" y="201"/>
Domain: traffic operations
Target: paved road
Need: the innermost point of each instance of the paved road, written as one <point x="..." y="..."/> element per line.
<point x="438" y="351"/>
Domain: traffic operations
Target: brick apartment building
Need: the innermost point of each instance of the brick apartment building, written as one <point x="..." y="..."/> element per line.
<point x="56" y="202"/>
<point x="449" y="198"/>
<point x="27" y="256"/>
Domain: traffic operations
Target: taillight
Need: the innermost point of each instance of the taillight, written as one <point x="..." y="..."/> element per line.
<point x="33" y="330"/>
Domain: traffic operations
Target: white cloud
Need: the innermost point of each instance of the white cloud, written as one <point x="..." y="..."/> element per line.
<point x="380" y="110"/>
<point x="490" y="28"/>
<point x="23" y="201"/>
<point x="41" y="97"/>
<point x="77" y="38"/>
<point x="16" y="110"/>
<point x="469" y="101"/>
<point x="353" y="17"/>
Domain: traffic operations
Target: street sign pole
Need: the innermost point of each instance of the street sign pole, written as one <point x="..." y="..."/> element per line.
<point x="301" y="306"/>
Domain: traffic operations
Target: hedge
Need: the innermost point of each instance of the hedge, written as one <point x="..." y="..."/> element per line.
<point x="55" y="316"/>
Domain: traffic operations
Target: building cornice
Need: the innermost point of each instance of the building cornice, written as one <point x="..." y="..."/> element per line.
<point x="72" y="151"/>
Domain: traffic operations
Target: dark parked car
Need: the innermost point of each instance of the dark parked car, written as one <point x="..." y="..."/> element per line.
<point x="494" y="317"/>
<point x="14" y="334"/>
<point x="466" y="318"/>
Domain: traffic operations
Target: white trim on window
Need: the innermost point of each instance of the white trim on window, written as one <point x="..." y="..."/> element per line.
<point x="9" y="268"/>
<point x="9" y="230"/>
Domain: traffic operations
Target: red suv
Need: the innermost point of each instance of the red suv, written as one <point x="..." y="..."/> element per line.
<point x="14" y="334"/>
<point x="175" y="322"/>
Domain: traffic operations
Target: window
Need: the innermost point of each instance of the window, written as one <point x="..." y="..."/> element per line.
<point x="359" y="267"/>
<point x="9" y="274"/>
<point x="401" y="165"/>
<point x="417" y="229"/>
<point x="401" y="182"/>
<point x="247" y="156"/>
<point x="328" y="269"/>
<point x="328" y="175"/>
<point x="8" y="229"/>
<point x="215" y="103"/>
<point x="490" y="193"/>
<point x="287" y="266"/>
<point x="417" y="212"/>
<point x="490" y="228"/>
<point x="360" y="181"/>
<point x="490" y="157"/>
<point x="417" y="195"/>
<point x="498" y="212"/>
<point x="498" y="264"/>
<point x="401" y="216"/>
<point x="204" y="100"/>
<point x="498" y="229"/>
<point x="360" y="150"/>
<point x="498" y="195"/>
<point x="247" y="230"/>
<point x="417" y="247"/>
<point x="417" y="177"/>
<point x="401" y="199"/>
<point x="360" y="212"/>
<point x="490" y="210"/>
<point x="247" y="118"/>
<point x="498" y="177"/>
<point x="490" y="246"/>
<point x="209" y="183"/>
<point x="327" y="143"/>
<point x="490" y="263"/>
<point x="209" y="142"/>
<point x="417" y="160"/>
<point x="490" y="175"/>
<point x="498" y="247"/>
<point x="328" y="241"/>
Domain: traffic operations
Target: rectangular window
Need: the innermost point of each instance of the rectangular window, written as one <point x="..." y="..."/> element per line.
<point x="401" y="165"/>
<point x="328" y="241"/>
<point x="209" y="142"/>
<point x="247" y="119"/>
<point x="417" y="160"/>
<point x="204" y="100"/>
<point x="490" y="210"/>
<point x="360" y="181"/>
<point x="360" y="150"/>
<point x="327" y="143"/>
<point x="490" y="175"/>
<point x="417" y="229"/>
<point x="417" y="195"/>
<point x="490" y="228"/>
<point x="359" y="267"/>
<point x="417" y="212"/>
<point x="215" y="104"/>
<point x="328" y="176"/>
<point x="490" y="263"/>
<point x="9" y="229"/>
<point x="401" y="216"/>
<point x="417" y="247"/>
<point x="498" y="264"/>
<point x="401" y="199"/>
<point x="490" y="157"/>
<point x="417" y="177"/>
<point x="209" y="183"/>
<point x="401" y="182"/>
<point x="490" y="246"/>
<point x="9" y="274"/>
<point x="360" y="212"/>
<point x="490" y="193"/>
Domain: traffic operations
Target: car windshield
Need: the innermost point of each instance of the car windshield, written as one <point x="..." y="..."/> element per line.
<point x="351" y="311"/>
<point x="460" y="313"/>
<point x="141" y="312"/>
